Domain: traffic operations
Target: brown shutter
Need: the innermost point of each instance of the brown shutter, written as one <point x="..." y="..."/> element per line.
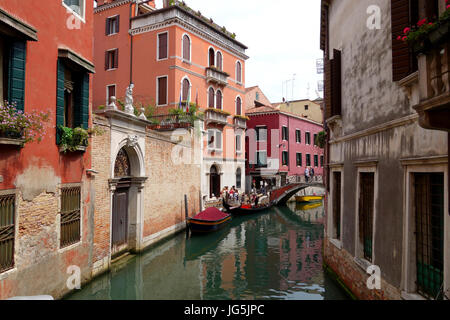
<point x="106" y="60"/>
<point x="327" y="88"/>
<point x="118" y="24"/>
<point x="162" y="46"/>
<point x="336" y="85"/>
<point x="219" y="61"/>
<point x="186" y="48"/>
<point x="107" y="27"/>
<point x="402" y="63"/>
<point x="186" y="86"/>
<point x="219" y="100"/>
<point x="162" y="91"/>
<point x="116" y="58"/>
<point x="211" y="98"/>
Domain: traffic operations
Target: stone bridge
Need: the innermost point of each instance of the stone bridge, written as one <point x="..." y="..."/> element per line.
<point x="281" y="195"/>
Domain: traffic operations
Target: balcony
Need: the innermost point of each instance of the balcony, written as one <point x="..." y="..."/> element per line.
<point x="434" y="82"/>
<point x="216" y="76"/>
<point x="240" y="122"/>
<point x="216" y="116"/>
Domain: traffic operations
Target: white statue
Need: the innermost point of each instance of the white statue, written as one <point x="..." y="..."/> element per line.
<point x="129" y="100"/>
<point x="112" y="105"/>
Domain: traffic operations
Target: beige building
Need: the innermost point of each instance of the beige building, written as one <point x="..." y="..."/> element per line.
<point x="305" y="108"/>
<point x="254" y="96"/>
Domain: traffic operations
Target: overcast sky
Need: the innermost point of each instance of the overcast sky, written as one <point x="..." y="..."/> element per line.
<point x="282" y="38"/>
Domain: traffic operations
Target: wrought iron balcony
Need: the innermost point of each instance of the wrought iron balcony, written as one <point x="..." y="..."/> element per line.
<point x="434" y="84"/>
<point x="216" y="116"/>
<point x="217" y="76"/>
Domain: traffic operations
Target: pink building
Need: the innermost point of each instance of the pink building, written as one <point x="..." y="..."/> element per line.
<point x="280" y="146"/>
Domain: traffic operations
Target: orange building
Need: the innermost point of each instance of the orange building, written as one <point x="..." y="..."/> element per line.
<point x="173" y="55"/>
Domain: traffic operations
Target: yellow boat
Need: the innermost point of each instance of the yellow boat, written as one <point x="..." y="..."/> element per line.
<point x="308" y="198"/>
<point x="308" y="206"/>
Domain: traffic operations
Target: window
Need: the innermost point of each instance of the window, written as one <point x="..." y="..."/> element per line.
<point x="298" y="136"/>
<point x="112" y="59"/>
<point x="238" y="178"/>
<point x="219" y="99"/>
<point x="7" y="231"/>
<point x="161" y="91"/>
<point x="316" y="160"/>
<point x="261" y="133"/>
<point x="308" y="160"/>
<point x="306" y="107"/>
<point x="261" y="159"/>
<point x="321" y="161"/>
<point x="308" y="138"/>
<point x="186" y="48"/>
<point x="211" y="96"/>
<point x="299" y="159"/>
<point x="76" y="6"/>
<point x="238" y="72"/>
<point x="211" y="57"/>
<point x="163" y="46"/>
<point x="285" y="158"/>
<point x="238" y="106"/>
<point x="219" y="60"/>
<point x="214" y="140"/>
<point x="257" y="96"/>
<point x="110" y="92"/>
<point x="336" y="201"/>
<point x="285" y="133"/>
<point x="366" y="213"/>
<point x="186" y="90"/>
<point x="238" y="143"/>
<point x="429" y="230"/>
<point x="112" y="25"/>
<point x="70" y="216"/>
<point x="315" y="139"/>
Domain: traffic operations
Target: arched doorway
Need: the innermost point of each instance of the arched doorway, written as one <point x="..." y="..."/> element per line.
<point x="214" y="182"/>
<point x="120" y="202"/>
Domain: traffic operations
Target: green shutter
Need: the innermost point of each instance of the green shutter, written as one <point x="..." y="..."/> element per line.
<point x="59" y="100"/>
<point x="81" y="111"/>
<point x="16" y="81"/>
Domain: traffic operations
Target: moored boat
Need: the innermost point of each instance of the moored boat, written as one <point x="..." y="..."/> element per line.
<point x="308" y="198"/>
<point x="209" y="220"/>
<point x="245" y="209"/>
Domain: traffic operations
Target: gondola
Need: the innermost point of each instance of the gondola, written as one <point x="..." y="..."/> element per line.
<point x="209" y="220"/>
<point x="242" y="210"/>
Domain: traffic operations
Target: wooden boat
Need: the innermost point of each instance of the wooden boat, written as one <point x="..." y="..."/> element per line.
<point x="308" y="198"/>
<point x="212" y="219"/>
<point x="244" y="210"/>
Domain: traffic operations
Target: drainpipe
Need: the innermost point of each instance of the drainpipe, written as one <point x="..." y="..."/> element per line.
<point x="131" y="37"/>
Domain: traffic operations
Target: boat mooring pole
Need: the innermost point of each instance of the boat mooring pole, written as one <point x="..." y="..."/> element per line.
<point x="186" y="214"/>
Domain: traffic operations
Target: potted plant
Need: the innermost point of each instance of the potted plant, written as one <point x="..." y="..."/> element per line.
<point x="17" y="127"/>
<point x="73" y="139"/>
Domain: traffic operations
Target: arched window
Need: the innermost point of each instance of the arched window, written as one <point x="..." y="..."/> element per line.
<point x="219" y="60"/>
<point x="238" y="106"/>
<point x="211" y="96"/>
<point x="186" y="48"/>
<point x="211" y="57"/>
<point x="122" y="167"/>
<point x="186" y="89"/>
<point x="238" y="72"/>
<point x="238" y="178"/>
<point x="219" y="99"/>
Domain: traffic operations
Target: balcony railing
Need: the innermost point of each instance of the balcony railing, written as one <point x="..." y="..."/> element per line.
<point x="216" y="116"/>
<point x="169" y="122"/>
<point x="216" y="76"/>
<point x="434" y="84"/>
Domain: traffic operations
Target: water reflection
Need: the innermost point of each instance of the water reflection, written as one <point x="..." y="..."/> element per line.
<point x="273" y="255"/>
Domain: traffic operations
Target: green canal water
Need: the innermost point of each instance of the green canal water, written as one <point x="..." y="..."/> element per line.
<point x="271" y="255"/>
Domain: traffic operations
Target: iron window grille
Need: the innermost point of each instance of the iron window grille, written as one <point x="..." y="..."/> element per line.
<point x="429" y="223"/>
<point x="70" y="216"/>
<point x="7" y="231"/>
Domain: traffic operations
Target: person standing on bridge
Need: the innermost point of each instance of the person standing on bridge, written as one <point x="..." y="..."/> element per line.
<point x="307" y="174"/>
<point x="312" y="174"/>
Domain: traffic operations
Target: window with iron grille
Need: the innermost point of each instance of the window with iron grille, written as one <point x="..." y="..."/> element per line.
<point x="285" y="133"/>
<point x="70" y="216"/>
<point x="429" y="219"/>
<point x="308" y="160"/>
<point x="366" y="202"/>
<point x="7" y="227"/>
<point x="316" y="160"/>
<point x="337" y="205"/>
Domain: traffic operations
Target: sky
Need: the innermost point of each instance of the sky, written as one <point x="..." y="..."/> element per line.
<point x="283" y="39"/>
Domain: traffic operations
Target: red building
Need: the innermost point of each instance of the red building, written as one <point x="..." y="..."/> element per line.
<point x="280" y="146"/>
<point x="46" y="54"/>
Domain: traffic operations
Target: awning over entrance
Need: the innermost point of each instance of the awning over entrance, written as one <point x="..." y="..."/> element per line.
<point x="15" y="28"/>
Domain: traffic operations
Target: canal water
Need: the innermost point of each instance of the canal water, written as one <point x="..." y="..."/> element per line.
<point x="271" y="255"/>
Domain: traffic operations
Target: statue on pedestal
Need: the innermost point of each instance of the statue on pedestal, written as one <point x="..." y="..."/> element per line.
<point x="129" y="100"/>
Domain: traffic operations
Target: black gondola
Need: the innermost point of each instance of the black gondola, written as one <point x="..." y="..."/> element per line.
<point x="243" y="210"/>
<point x="212" y="219"/>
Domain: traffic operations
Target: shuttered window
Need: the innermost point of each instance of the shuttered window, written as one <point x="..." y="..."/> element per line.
<point x="238" y="72"/>
<point x="185" y="91"/>
<point x="308" y="160"/>
<point x="219" y="60"/>
<point x="219" y="99"/>
<point x="162" y="91"/>
<point x="211" y="57"/>
<point x="7" y="231"/>
<point x="285" y="133"/>
<point x="404" y="13"/>
<point x="211" y="95"/>
<point x="70" y="216"/>
<point x="162" y="45"/>
<point x="299" y="159"/>
<point x="186" y="48"/>
<point x="238" y="143"/>
<point x="333" y="85"/>
<point x="316" y="160"/>
<point x="285" y="158"/>
<point x="238" y="106"/>
<point x="15" y="77"/>
<point x="298" y="136"/>
<point x="112" y="25"/>
<point x="336" y="205"/>
<point x="112" y="59"/>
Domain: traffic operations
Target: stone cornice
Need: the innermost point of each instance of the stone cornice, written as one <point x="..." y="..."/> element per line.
<point x="107" y="6"/>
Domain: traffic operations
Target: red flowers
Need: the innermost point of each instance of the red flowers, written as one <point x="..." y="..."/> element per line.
<point x="421" y="22"/>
